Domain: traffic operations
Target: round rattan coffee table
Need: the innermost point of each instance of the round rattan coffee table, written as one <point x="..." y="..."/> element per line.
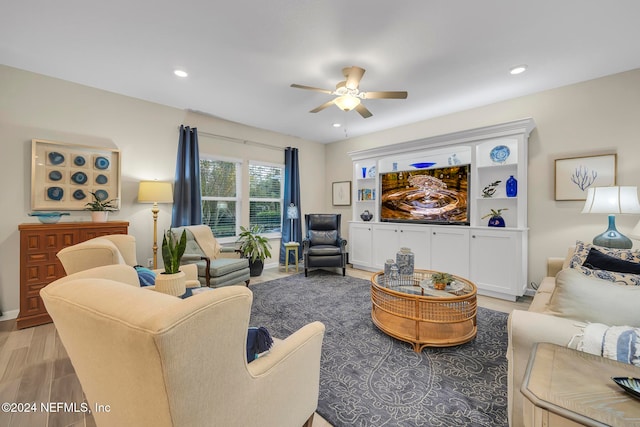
<point x="410" y="309"/>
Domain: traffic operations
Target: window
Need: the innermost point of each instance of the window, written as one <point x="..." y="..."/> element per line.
<point x="220" y="184"/>
<point x="265" y="196"/>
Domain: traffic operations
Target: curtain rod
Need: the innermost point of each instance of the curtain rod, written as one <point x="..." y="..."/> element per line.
<point x="241" y="141"/>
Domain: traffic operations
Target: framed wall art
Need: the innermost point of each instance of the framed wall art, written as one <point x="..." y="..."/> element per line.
<point x="63" y="176"/>
<point x="575" y="175"/>
<point x="341" y="195"/>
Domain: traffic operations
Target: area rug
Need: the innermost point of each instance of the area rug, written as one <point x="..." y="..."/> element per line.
<point x="370" y="379"/>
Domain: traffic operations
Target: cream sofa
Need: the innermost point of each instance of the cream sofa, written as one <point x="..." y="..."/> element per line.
<point x="566" y="300"/>
<point x="158" y="360"/>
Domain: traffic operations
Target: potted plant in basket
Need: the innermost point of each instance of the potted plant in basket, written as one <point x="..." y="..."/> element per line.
<point x="441" y="280"/>
<point x="172" y="281"/>
<point x="100" y="207"/>
<point x="255" y="247"/>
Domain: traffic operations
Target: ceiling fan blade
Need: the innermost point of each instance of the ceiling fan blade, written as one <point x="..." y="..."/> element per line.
<point x="322" y="107"/>
<point x="317" y="89"/>
<point x="363" y="111"/>
<point x="353" y="75"/>
<point x="385" y="95"/>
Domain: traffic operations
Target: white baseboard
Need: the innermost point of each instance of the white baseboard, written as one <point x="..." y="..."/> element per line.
<point x="9" y="315"/>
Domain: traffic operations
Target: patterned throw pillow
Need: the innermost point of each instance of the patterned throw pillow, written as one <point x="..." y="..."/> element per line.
<point x="582" y="251"/>
<point x="621" y="343"/>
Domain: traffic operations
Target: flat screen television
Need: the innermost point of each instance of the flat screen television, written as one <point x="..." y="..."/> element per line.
<point x="427" y="196"/>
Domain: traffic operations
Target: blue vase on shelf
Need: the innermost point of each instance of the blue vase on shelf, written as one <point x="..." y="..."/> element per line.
<point x="512" y="187"/>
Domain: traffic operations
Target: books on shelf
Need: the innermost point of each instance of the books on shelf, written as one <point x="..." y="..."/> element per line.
<point x="366" y="194"/>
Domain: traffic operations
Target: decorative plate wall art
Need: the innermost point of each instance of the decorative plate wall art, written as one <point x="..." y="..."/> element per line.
<point x="63" y="176"/>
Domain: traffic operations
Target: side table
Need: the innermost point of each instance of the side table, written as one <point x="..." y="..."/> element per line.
<point x="566" y="387"/>
<point x="288" y="247"/>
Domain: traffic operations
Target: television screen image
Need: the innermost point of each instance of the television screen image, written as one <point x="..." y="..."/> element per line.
<point x="437" y="195"/>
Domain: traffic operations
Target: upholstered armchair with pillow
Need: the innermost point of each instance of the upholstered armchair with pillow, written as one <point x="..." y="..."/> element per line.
<point x="217" y="265"/>
<point x="571" y="303"/>
<point x="157" y="360"/>
<point x="114" y="249"/>
<point x="323" y="246"/>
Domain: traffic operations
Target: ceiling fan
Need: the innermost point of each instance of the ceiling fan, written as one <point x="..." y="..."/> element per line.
<point x="348" y="94"/>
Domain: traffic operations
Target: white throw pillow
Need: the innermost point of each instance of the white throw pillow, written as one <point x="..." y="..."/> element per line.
<point x="621" y="343"/>
<point x="588" y="299"/>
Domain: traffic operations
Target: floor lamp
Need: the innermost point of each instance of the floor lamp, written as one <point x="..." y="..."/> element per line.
<point x="612" y="200"/>
<point x="155" y="192"/>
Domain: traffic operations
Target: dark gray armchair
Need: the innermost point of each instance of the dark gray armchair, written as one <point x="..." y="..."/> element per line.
<point x="323" y="246"/>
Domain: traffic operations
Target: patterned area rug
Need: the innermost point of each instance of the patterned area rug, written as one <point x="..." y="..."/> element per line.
<point x="370" y="379"/>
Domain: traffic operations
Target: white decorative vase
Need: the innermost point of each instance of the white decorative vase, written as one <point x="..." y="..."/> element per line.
<point x="99" y="216"/>
<point x="172" y="284"/>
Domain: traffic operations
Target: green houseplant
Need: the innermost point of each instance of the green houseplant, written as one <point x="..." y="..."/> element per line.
<point x="441" y="280"/>
<point x="100" y="208"/>
<point x="255" y="247"/>
<point x="172" y="281"/>
<point x="172" y="251"/>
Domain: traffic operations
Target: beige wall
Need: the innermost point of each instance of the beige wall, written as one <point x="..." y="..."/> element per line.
<point x="594" y="117"/>
<point x="599" y="116"/>
<point x="34" y="106"/>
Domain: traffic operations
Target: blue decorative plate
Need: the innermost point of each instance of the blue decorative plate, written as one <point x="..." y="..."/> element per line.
<point x="55" y="193"/>
<point x="371" y="172"/>
<point x="79" y="195"/>
<point x="422" y="165"/>
<point x="101" y="163"/>
<point x="56" y="158"/>
<point x="55" y="175"/>
<point x="500" y="153"/>
<point x="102" y="195"/>
<point x="629" y="384"/>
<point x="102" y="179"/>
<point x="79" y="161"/>
<point x="79" y="178"/>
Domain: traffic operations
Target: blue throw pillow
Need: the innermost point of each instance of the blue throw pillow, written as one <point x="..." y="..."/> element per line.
<point x="596" y="260"/>
<point x="145" y="276"/>
<point x="258" y="341"/>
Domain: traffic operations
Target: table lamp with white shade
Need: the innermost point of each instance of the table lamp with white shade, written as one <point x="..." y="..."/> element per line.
<point x="155" y="192"/>
<point x="611" y="201"/>
<point x="292" y="213"/>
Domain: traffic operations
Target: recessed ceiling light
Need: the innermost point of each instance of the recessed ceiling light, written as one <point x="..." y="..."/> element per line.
<point x="336" y="125"/>
<point x="180" y="73"/>
<point x="518" y="69"/>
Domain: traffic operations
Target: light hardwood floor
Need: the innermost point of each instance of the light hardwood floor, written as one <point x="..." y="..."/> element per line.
<point x="34" y="366"/>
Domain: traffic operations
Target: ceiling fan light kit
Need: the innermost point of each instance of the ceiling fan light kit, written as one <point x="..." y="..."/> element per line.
<point x="346" y="102"/>
<point x="348" y="94"/>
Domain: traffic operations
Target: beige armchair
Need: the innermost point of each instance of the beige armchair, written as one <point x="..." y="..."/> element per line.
<point x="113" y="249"/>
<point x="163" y="361"/>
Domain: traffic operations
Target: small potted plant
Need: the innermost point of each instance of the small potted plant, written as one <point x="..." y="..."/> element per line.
<point x="172" y="281"/>
<point x="100" y="207"/>
<point x="441" y="280"/>
<point x="495" y="217"/>
<point x="255" y="247"/>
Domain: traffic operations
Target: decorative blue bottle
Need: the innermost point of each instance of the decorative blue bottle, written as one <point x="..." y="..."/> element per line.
<point x="512" y="187"/>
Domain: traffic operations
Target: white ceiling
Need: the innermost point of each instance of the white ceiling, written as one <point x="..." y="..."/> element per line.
<point x="242" y="55"/>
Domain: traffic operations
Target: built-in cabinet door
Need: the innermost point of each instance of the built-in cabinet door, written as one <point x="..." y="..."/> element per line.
<point x="496" y="261"/>
<point x="450" y="250"/>
<point x="360" y="245"/>
<point x="417" y="239"/>
<point x="386" y="243"/>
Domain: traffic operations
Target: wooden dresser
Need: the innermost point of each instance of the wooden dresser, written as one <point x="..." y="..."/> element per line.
<point x="39" y="266"/>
